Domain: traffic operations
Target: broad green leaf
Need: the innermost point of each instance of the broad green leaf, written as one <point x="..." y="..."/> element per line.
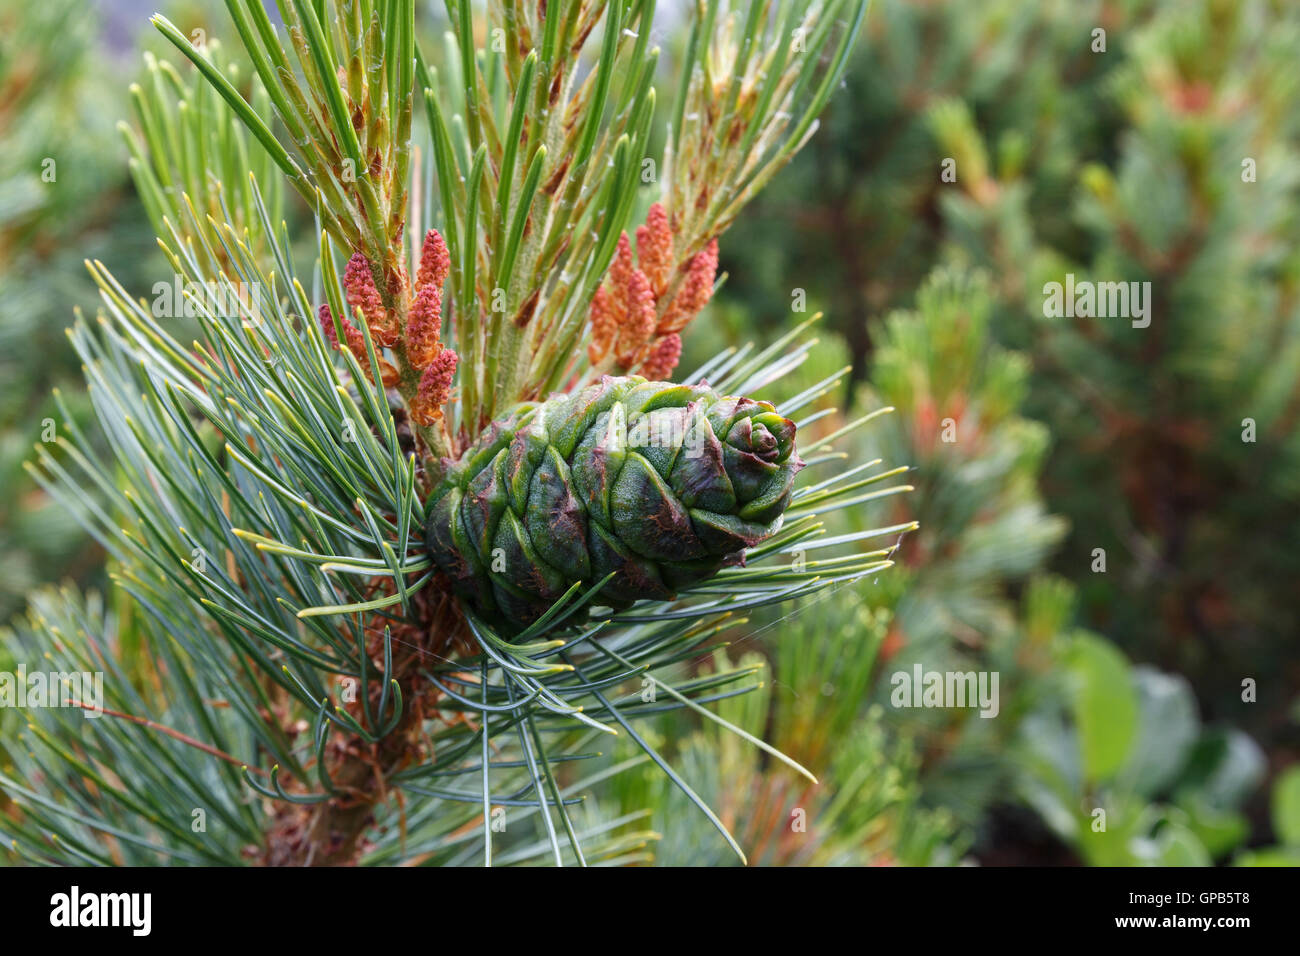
<point x="1105" y="705"/>
<point x="1220" y="830"/>
<point x="1167" y="730"/>
<point x="1286" y="807"/>
<point x="1176" y="845"/>
<point x="1277" y="856"/>
<point x="1225" y="767"/>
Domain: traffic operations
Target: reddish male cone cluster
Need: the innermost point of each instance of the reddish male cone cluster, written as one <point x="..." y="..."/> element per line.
<point x="636" y="318"/>
<point x="356" y="343"/>
<point x="424" y="351"/>
<point x="364" y="297"/>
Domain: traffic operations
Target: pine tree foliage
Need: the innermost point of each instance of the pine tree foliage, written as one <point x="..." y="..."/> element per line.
<point x="865" y="806"/>
<point x="1153" y="141"/>
<point x="295" y="683"/>
<point x="880" y="173"/>
<point x="984" y="530"/>
<point x="1194" y="401"/>
<point x="61" y="190"/>
<point x="976" y="457"/>
<point x="194" y="164"/>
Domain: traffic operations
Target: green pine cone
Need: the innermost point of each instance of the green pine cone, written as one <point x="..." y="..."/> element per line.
<point x="660" y="484"/>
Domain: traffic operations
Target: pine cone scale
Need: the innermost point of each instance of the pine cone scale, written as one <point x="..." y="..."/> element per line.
<point x="555" y="520"/>
<point x="649" y="518"/>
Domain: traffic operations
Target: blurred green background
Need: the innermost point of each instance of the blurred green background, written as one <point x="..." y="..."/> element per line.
<point x="1110" y="515"/>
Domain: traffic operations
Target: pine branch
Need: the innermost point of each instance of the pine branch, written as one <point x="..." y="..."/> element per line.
<point x="270" y="487"/>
